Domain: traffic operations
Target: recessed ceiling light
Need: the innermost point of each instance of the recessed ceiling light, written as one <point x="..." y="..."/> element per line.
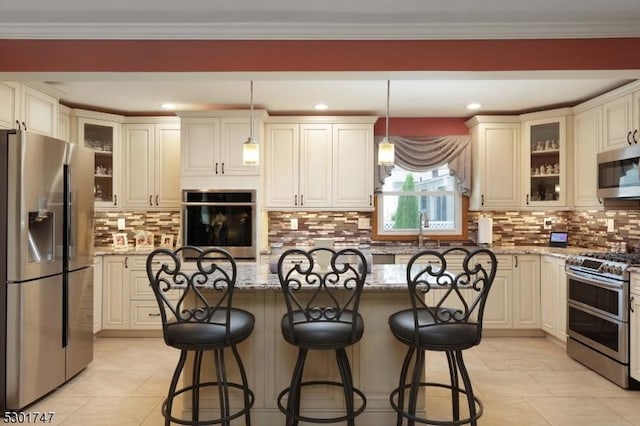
<point x="474" y="105"/>
<point x="168" y="106"/>
<point x="321" y="107"/>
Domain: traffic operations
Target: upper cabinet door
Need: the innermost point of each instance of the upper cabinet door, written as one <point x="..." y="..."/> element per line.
<point x="587" y="133"/>
<point x="138" y="165"/>
<point x="9" y="104"/>
<point x="545" y="166"/>
<point x="353" y="166"/>
<point x="235" y="132"/>
<point x="39" y="112"/>
<point x="282" y="164"/>
<point x="617" y="122"/>
<point x="200" y="142"/>
<point x="496" y="165"/>
<point x="167" y="166"/>
<point x="315" y="165"/>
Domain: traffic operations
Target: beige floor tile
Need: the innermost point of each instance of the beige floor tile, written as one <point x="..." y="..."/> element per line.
<point x="628" y="407"/>
<point x="582" y="411"/>
<point x="579" y="383"/>
<point x="507" y="384"/>
<point x="120" y="411"/>
<point x="101" y="383"/>
<point x="61" y="407"/>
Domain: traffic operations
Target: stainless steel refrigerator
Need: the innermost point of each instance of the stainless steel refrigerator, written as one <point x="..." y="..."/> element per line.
<point x="46" y="257"/>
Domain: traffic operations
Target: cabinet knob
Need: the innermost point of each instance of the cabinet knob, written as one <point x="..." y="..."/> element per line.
<point x="24" y="126"/>
<point x="157" y="204"/>
<point x="154" y="315"/>
<point x="629" y="137"/>
<point x="216" y="168"/>
<point x="222" y="168"/>
<point x="151" y="200"/>
<point x="115" y="200"/>
<point x="635" y="132"/>
<point x="482" y="200"/>
<point x="516" y="259"/>
<point x="631" y="304"/>
<point x="295" y="200"/>
<point x="370" y="200"/>
<point x="527" y="200"/>
<point x="301" y="199"/>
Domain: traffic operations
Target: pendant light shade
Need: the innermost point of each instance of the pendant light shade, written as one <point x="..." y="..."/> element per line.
<point x="386" y="149"/>
<point x="251" y="149"/>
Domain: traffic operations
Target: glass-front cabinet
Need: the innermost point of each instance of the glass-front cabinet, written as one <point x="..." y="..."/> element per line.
<point x="103" y="138"/>
<point x="545" y="182"/>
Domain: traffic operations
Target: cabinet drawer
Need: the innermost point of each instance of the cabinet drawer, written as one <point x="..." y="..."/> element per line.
<point x="137" y="263"/>
<point x="145" y="314"/>
<point x="635" y="283"/>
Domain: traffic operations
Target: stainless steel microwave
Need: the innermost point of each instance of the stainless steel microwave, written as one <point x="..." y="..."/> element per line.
<point x="223" y="219"/>
<point x="619" y="173"/>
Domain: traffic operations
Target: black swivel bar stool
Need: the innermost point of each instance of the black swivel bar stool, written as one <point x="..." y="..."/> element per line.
<point x="322" y="290"/>
<point x="448" y="292"/>
<point x="197" y="324"/>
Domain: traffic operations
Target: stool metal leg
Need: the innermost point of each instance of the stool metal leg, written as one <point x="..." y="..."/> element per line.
<point x="223" y="388"/>
<point x="467" y="385"/>
<point x="415" y="385"/>
<point x="195" y="392"/>
<point x="245" y="384"/>
<point x="455" y="385"/>
<point x="172" y="388"/>
<point x="402" y="383"/>
<point x="347" y="381"/>
<point x="293" y="400"/>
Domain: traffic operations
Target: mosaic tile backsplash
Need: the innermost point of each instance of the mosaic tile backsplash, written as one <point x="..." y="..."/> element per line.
<point x="511" y="228"/>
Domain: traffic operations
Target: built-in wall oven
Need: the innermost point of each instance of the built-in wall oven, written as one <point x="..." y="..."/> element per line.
<point x="224" y="219"/>
<point x="598" y="313"/>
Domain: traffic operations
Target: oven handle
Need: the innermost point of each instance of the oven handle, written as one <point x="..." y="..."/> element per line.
<point x="591" y="281"/>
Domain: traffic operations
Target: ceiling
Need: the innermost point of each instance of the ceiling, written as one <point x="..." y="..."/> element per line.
<point x="412" y="94"/>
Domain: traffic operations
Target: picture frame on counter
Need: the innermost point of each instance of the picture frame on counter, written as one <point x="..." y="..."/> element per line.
<point x="144" y="240"/>
<point x="166" y="241"/>
<point x="120" y="242"/>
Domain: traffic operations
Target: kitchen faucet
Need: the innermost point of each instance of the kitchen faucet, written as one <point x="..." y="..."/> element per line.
<point x="422" y="218"/>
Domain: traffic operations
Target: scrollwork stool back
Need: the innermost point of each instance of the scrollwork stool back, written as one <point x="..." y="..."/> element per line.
<point x="202" y="318"/>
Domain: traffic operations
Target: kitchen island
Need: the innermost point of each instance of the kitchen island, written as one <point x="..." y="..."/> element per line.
<point x="269" y="360"/>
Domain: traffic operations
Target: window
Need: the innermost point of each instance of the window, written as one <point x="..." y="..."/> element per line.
<point x="407" y="196"/>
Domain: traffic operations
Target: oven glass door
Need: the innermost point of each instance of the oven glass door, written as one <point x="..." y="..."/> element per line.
<point x="597" y="295"/>
<point x="603" y="334"/>
<point x="219" y="225"/>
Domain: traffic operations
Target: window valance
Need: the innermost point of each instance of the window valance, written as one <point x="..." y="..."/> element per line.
<point x="420" y="154"/>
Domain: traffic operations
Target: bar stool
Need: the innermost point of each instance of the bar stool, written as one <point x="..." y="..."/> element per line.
<point x="322" y="290"/>
<point x="448" y="291"/>
<point x="195" y="324"/>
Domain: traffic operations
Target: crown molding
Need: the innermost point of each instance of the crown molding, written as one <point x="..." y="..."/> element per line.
<point x="311" y="31"/>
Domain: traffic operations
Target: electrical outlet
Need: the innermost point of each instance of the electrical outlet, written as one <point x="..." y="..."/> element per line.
<point x="611" y="225"/>
<point x="364" y="223"/>
<point x="294" y="224"/>
<point x="121" y="224"/>
<point x="548" y="221"/>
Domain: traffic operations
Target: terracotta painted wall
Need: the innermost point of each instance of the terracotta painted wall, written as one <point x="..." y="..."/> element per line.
<point x="423" y="127"/>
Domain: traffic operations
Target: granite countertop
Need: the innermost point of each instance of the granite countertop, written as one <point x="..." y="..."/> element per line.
<point x="402" y="250"/>
<point x="381" y="277"/>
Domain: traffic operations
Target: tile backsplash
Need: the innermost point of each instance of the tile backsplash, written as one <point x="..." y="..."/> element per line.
<point x="586" y="228"/>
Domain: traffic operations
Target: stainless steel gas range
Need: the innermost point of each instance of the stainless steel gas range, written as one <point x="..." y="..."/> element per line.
<point x="598" y="313"/>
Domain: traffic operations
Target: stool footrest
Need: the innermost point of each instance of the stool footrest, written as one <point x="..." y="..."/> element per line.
<point x="413" y="417"/>
<point x="344" y="418"/>
<point x="226" y="419"/>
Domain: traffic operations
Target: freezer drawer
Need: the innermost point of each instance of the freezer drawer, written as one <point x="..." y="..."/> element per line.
<point x="80" y="328"/>
<point x="35" y="356"/>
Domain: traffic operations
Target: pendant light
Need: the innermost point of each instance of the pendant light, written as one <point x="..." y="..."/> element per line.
<point x="386" y="149"/>
<point x="251" y="149"/>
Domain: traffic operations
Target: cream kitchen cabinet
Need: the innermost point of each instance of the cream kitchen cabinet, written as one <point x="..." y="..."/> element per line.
<point x="526" y="291"/>
<point x="64" y="124"/>
<point x="101" y="132"/>
<point x="319" y="163"/>
<point x="211" y="144"/>
<point x="496" y="162"/>
<point x="29" y="107"/>
<point x="545" y="167"/>
<point x="115" y="308"/>
<point x="129" y="303"/>
<point x="619" y="123"/>
<point x="587" y="135"/>
<point x="97" y="294"/>
<point x="634" y="327"/>
<point x="151" y="164"/>
<point x="553" y="296"/>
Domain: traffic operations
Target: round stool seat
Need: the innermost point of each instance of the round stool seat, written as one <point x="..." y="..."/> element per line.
<point x="213" y="334"/>
<point x="441" y="336"/>
<point x="322" y="334"/>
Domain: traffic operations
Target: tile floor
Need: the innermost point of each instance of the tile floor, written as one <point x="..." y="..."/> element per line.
<point x="521" y="381"/>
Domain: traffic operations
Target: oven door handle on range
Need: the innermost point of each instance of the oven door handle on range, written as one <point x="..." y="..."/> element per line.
<point x="602" y="282"/>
